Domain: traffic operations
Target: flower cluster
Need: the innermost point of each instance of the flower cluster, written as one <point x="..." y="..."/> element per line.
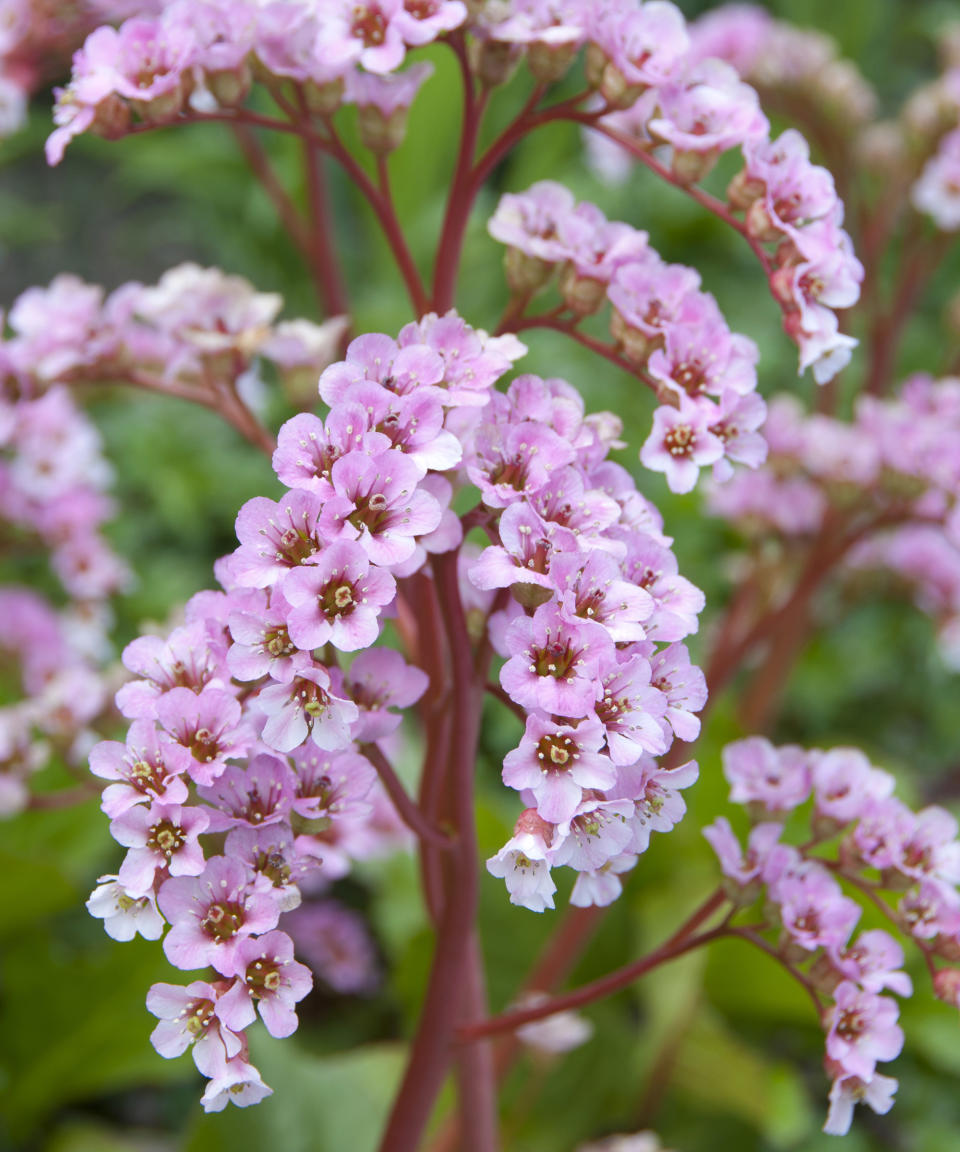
<point x="53" y="502"/>
<point x="906" y="862"/>
<point x="890" y="476"/>
<point x="238" y="728"/>
<point x="53" y="481"/>
<point x="593" y="644"/>
<point x="791" y="213"/>
<point x="662" y="321"/>
<point x="195" y="328"/>
<point x="201" y="55"/>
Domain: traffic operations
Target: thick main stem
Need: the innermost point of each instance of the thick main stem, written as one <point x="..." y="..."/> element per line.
<point x="433" y="1047"/>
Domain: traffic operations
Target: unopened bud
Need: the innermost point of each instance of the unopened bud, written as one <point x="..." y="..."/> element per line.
<point x="743" y="190"/>
<point x="526" y="274"/>
<point x="530" y="596"/>
<point x="615" y="89"/>
<point x="112" y="119"/>
<point x="551" y="62"/>
<point x="946" y="986"/>
<point x="582" y="294"/>
<point x="379" y="132"/>
<point x="323" y="99"/>
<point x="760" y="224"/>
<point x="691" y="167"/>
<point x="492" y="61"/>
<point x="231" y="86"/>
<point x="635" y="345"/>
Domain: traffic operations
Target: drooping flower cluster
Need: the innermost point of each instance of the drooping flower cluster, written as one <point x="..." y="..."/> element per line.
<point x="662" y="322"/>
<point x="891" y="475"/>
<point x="592" y="640"/>
<point x="53" y="481"/>
<point x="790" y="208"/>
<point x="53" y="505"/>
<point x="785" y="62"/>
<point x="859" y="832"/>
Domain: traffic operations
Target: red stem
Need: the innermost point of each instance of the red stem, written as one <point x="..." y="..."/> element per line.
<point x="462" y="191"/>
<point x="568" y="328"/>
<point x="384" y="210"/>
<point x="323" y="254"/>
<point x="259" y="162"/>
<point x="409" y="813"/>
<point x="680" y="942"/>
<point x="432" y="1051"/>
<point x="704" y="199"/>
<point x="227" y="404"/>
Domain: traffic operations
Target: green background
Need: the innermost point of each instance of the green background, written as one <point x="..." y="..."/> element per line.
<point x="735" y="1046"/>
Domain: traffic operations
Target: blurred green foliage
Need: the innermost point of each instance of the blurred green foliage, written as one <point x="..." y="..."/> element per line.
<point x="730" y="1040"/>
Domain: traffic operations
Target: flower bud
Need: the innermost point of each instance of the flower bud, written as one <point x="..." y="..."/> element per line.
<point x="743" y="190"/>
<point x="582" y="294"/>
<point x="323" y="99"/>
<point x="691" y="167"/>
<point x="635" y="345"/>
<point x="381" y="132"/>
<point x="551" y="62"/>
<point x="231" y="86"/>
<point x="492" y="61"/>
<point x="525" y="274"/>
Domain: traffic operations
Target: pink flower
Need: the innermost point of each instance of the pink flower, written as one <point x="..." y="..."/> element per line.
<point x="305" y="707"/>
<point x="255" y="795"/>
<point x="630" y="709"/>
<point x="337" y="599"/>
<point x="238" y="1083"/>
<point x="522" y="863"/>
<point x="528" y="547"/>
<point x="188" y="1016"/>
<point x="212" y="913"/>
<point x="873" y="961"/>
<point x="777" y="779"/>
<point x="814" y="910"/>
<point x="680" y="444"/>
<point x="268" y="975"/>
<point x="380" y="679"/>
<point x="737" y="865"/>
<point x="124" y="915"/>
<point x="846" y="1092"/>
<point x="845" y="782"/>
<point x="863" y="1030"/>
<point x="208" y="726"/>
<point x="556" y="762"/>
<point x="378" y="503"/>
<point x="554" y="662"/>
<point x="277" y="536"/>
<point x="146" y="768"/>
<point x="161" y="837"/>
<point x="937" y="192"/>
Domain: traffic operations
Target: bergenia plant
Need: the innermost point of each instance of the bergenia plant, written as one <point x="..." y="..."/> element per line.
<point x="457" y="555"/>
